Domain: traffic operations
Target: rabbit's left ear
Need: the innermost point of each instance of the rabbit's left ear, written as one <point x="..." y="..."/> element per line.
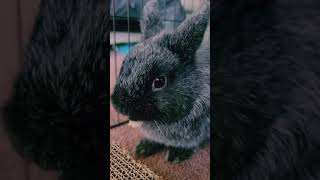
<point x="189" y="35"/>
<point x="151" y="23"/>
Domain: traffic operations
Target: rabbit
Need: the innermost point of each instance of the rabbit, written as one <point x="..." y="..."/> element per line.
<point x="164" y="83"/>
<point x="265" y="90"/>
<point x="58" y="101"/>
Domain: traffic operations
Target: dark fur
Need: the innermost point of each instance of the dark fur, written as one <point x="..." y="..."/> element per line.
<point x="266" y="90"/>
<point x="177" y="116"/>
<point x="59" y="100"/>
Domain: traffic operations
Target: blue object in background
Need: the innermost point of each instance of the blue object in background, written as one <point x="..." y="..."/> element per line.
<point x="123" y="48"/>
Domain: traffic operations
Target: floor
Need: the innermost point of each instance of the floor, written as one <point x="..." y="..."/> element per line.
<point x="197" y="168"/>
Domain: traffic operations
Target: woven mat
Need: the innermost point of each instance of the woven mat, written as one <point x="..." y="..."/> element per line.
<point x="123" y="167"/>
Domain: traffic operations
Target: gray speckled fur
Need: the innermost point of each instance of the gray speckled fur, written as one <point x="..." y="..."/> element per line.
<point x="188" y="95"/>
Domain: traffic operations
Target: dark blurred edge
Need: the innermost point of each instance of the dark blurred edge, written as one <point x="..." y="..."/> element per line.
<point x="17" y="18"/>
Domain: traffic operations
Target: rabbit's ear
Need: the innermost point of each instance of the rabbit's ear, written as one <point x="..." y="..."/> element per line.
<point x="189" y="35"/>
<point x="151" y="23"/>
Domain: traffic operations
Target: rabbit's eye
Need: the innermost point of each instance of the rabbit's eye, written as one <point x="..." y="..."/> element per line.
<point x="158" y="83"/>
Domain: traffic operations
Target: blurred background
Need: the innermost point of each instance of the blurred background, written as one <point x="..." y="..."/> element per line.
<point x="16" y="18"/>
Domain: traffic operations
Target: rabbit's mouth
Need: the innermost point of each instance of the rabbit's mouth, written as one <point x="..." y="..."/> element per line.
<point x="139" y="117"/>
<point x="134" y="118"/>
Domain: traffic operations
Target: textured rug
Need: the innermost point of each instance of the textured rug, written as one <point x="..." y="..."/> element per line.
<point x="123" y="166"/>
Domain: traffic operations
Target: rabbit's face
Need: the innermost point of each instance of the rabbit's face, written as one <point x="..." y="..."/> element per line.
<point x="157" y="80"/>
<point x="148" y="86"/>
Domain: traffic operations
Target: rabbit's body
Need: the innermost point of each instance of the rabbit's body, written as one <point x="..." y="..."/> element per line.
<point x="194" y="127"/>
<point x="176" y="116"/>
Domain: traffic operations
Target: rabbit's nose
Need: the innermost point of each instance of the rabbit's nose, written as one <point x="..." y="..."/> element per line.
<point x="117" y="95"/>
<point x="113" y="98"/>
<point x="116" y="99"/>
<point x="122" y="101"/>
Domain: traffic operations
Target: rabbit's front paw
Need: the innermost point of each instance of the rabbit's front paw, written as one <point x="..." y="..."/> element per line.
<point x="146" y="148"/>
<point x="176" y="155"/>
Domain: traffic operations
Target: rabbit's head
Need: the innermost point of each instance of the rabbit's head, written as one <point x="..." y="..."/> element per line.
<point x="158" y="79"/>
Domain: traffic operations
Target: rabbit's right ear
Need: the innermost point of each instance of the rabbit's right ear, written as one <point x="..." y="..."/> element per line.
<point x="151" y="23"/>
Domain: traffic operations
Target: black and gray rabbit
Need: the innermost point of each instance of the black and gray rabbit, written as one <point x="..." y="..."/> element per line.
<point x="164" y="83"/>
<point x="59" y="97"/>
